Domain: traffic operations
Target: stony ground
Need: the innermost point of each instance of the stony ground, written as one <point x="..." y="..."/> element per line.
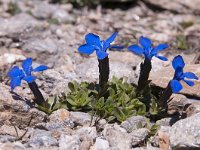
<point x="51" y="34"/>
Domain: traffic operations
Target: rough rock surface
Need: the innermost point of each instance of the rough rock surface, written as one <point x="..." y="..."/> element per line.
<point x="51" y="33"/>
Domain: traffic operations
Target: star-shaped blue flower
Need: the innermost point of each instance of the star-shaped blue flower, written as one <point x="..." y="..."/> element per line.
<point x="93" y="43"/>
<point x="178" y="65"/>
<point x="16" y="74"/>
<point x="147" y="50"/>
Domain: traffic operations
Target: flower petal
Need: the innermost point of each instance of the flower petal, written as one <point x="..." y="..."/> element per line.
<point x="92" y="39"/>
<point x="27" y="66"/>
<point x="15" y="72"/>
<point x="29" y="79"/>
<point x="175" y="86"/>
<point x="178" y="62"/>
<point x="161" y="58"/>
<point x="179" y="74"/>
<point x="190" y="75"/>
<point x="86" y="49"/>
<point x="136" y="49"/>
<point x="111" y="38"/>
<point x="15" y="82"/>
<point x="40" y="68"/>
<point x="101" y="54"/>
<point x="160" y="47"/>
<point x="145" y="42"/>
<point x="190" y="83"/>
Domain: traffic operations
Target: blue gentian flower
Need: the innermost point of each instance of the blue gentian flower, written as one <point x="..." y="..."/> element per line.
<point x="147" y="50"/>
<point x="178" y="65"/>
<point x="93" y="43"/>
<point x="16" y="74"/>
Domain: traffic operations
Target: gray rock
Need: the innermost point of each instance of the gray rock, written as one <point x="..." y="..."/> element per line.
<point x="41" y="138"/>
<point x="87" y="133"/>
<point x="166" y="121"/>
<point x="178" y="6"/>
<point x="80" y="118"/>
<point x="139" y="136"/>
<point x="13" y="131"/>
<point x="13" y="146"/>
<point x="43" y="10"/>
<point x="134" y="123"/>
<point x="18" y="25"/>
<point x="101" y="144"/>
<point x="185" y="134"/>
<point x="63" y="16"/>
<point x="91" y="73"/>
<point x="59" y="119"/>
<point x="47" y="45"/>
<point x="68" y="142"/>
<point x="7" y="138"/>
<point x="117" y="137"/>
<point x="16" y="109"/>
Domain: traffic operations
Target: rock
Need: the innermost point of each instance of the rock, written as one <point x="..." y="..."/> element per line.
<point x="7" y="138"/>
<point x="59" y="115"/>
<point x="192" y="35"/>
<point x="91" y="73"/>
<point x="100" y="144"/>
<point x="167" y="73"/>
<point x="12" y="131"/>
<point x="80" y="118"/>
<point x="178" y="5"/>
<point x="117" y="138"/>
<point x="134" y="123"/>
<point x="85" y="145"/>
<point x="12" y="146"/>
<point x="63" y="16"/>
<point x="194" y="108"/>
<point x="139" y="136"/>
<point x="18" y="25"/>
<point x="178" y="104"/>
<point x="156" y="140"/>
<point x="166" y="121"/>
<point x="87" y="133"/>
<point x="183" y="134"/>
<point x="9" y="58"/>
<point x="17" y="110"/>
<point x="59" y="120"/>
<point x="69" y="142"/>
<point x="43" y="10"/>
<point x="47" y="45"/>
<point x="42" y="138"/>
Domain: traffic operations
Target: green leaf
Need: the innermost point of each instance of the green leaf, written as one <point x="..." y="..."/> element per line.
<point x="153" y="108"/>
<point x="71" y="86"/>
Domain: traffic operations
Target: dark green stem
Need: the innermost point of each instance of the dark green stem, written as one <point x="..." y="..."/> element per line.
<point x="164" y="98"/>
<point x="39" y="99"/>
<point x="103" y="75"/>
<point x="145" y="69"/>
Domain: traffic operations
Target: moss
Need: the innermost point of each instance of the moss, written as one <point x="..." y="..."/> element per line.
<point x="13" y="8"/>
<point x="181" y="42"/>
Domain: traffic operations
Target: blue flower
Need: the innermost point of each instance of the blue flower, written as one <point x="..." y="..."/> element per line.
<point x="178" y="65"/>
<point x="93" y="43"/>
<point x="16" y="74"/>
<point x="147" y="50"/>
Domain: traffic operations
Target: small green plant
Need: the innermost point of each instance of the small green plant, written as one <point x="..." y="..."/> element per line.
<point x="119" y="102"/>
<point x="181" y="42"/>
<point x="13" y="8"/>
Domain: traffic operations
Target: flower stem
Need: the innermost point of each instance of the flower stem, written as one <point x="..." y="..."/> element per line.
<point x="145" y="69"/>
<point x="39" y="99"/>
<point x="164" y="98"/>
<point x="103" y="75"/>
